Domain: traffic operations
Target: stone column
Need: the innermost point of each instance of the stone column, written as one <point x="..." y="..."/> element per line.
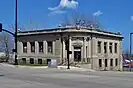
<point x="45" y="47"/>
<point x="93" y="53"/>
<point x="102" y="47"/>
<point x="113" y="50"/>
<point x="28" y="48"/>
<point x="19" y="48"/>
<point x="53" y="48"/>
<point x="64" y="51"/>
<point x="36" y="47"/>
<point x="94" y="47"/>
<point x="64" y="56"/>
<point x="84" y="49"/>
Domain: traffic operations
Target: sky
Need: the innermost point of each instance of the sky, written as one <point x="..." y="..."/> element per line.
<point x="114" y="15"/>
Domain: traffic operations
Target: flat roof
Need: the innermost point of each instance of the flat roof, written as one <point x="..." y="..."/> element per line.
<point x="65" y="28"/>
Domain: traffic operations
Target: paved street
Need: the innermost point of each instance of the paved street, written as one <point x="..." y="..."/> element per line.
<point x="52" y="78"/>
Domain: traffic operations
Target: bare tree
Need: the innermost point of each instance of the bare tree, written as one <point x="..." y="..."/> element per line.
<point x="81" y="20"/>
<point x="20" y="27"/>
<point x="5" y="45"/>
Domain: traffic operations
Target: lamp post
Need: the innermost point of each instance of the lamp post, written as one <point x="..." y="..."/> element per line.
<point x="16" y="30"/>
<point x="130" y="49"/>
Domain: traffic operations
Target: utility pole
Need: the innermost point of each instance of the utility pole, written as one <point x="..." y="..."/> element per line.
<point x="16" y="30"/>
<point x="130" y="51"/>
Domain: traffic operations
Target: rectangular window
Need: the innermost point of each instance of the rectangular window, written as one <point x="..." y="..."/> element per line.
<point x="24" y="60"/>
<point x="106" y="62"/>
<point x="32" y="44"/>
<point x="105" y="47"/>
<point x="115" y="47"/>
<point x="50" y="47"/>
<point x="25" y="47"/>
<point x="116" y="62"/>
<point x="100" y="62"/>
<point x="99" y="46"/>
<point x="40" y="46"/>
<point x="110" y="47"/>
<point x="39" y="61"/>
<point x="31" y="60"/>
<point x="111" y="62"/>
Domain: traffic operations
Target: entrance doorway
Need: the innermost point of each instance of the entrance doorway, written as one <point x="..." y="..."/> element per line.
<point x="77" y="54"/>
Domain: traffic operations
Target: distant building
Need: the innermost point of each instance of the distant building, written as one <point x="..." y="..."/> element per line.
<point x="94" y="48"/>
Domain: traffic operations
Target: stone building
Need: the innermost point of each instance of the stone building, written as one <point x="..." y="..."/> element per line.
<point x="93" y="48"/>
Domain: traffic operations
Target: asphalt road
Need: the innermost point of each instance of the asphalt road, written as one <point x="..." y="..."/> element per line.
<point x="11" y="77"/>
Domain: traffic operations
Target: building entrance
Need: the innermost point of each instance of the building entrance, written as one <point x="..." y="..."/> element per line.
<point x="77" y="53"/>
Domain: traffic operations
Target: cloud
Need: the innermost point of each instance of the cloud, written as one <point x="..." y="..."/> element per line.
<point x="131" y="18"/>
<point x="57" y="12"/>
<point x="98" y="13"/>
<point x="64" y="4"/>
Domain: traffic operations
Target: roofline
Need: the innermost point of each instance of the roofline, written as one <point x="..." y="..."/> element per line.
<point x="64" y="28"/>
<point x="72" y="32"/>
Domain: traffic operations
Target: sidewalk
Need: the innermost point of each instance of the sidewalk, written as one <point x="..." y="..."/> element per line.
<point x="72" y="68"/>
<point x="7" y="65"/>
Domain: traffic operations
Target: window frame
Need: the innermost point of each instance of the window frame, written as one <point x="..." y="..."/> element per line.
<point x="105" y="47"/>
<point x="39" y="61"/>
<point x="24" y="47"/>
<point x="41" y="46"/>
<point x="116" y="47"/>
<point x="116" y="62"/>
<point x="24" y="60"/>
<point x="111" y="47"/>
<point x="49" y="46"/>
<point x="32" y="50"/>
<point x="31" y="61"/>
<point x="99" y="46"/>
<point x="111" y="62"/>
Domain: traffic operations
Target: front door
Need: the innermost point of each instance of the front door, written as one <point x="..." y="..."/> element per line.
<point x="77" y="56"/>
